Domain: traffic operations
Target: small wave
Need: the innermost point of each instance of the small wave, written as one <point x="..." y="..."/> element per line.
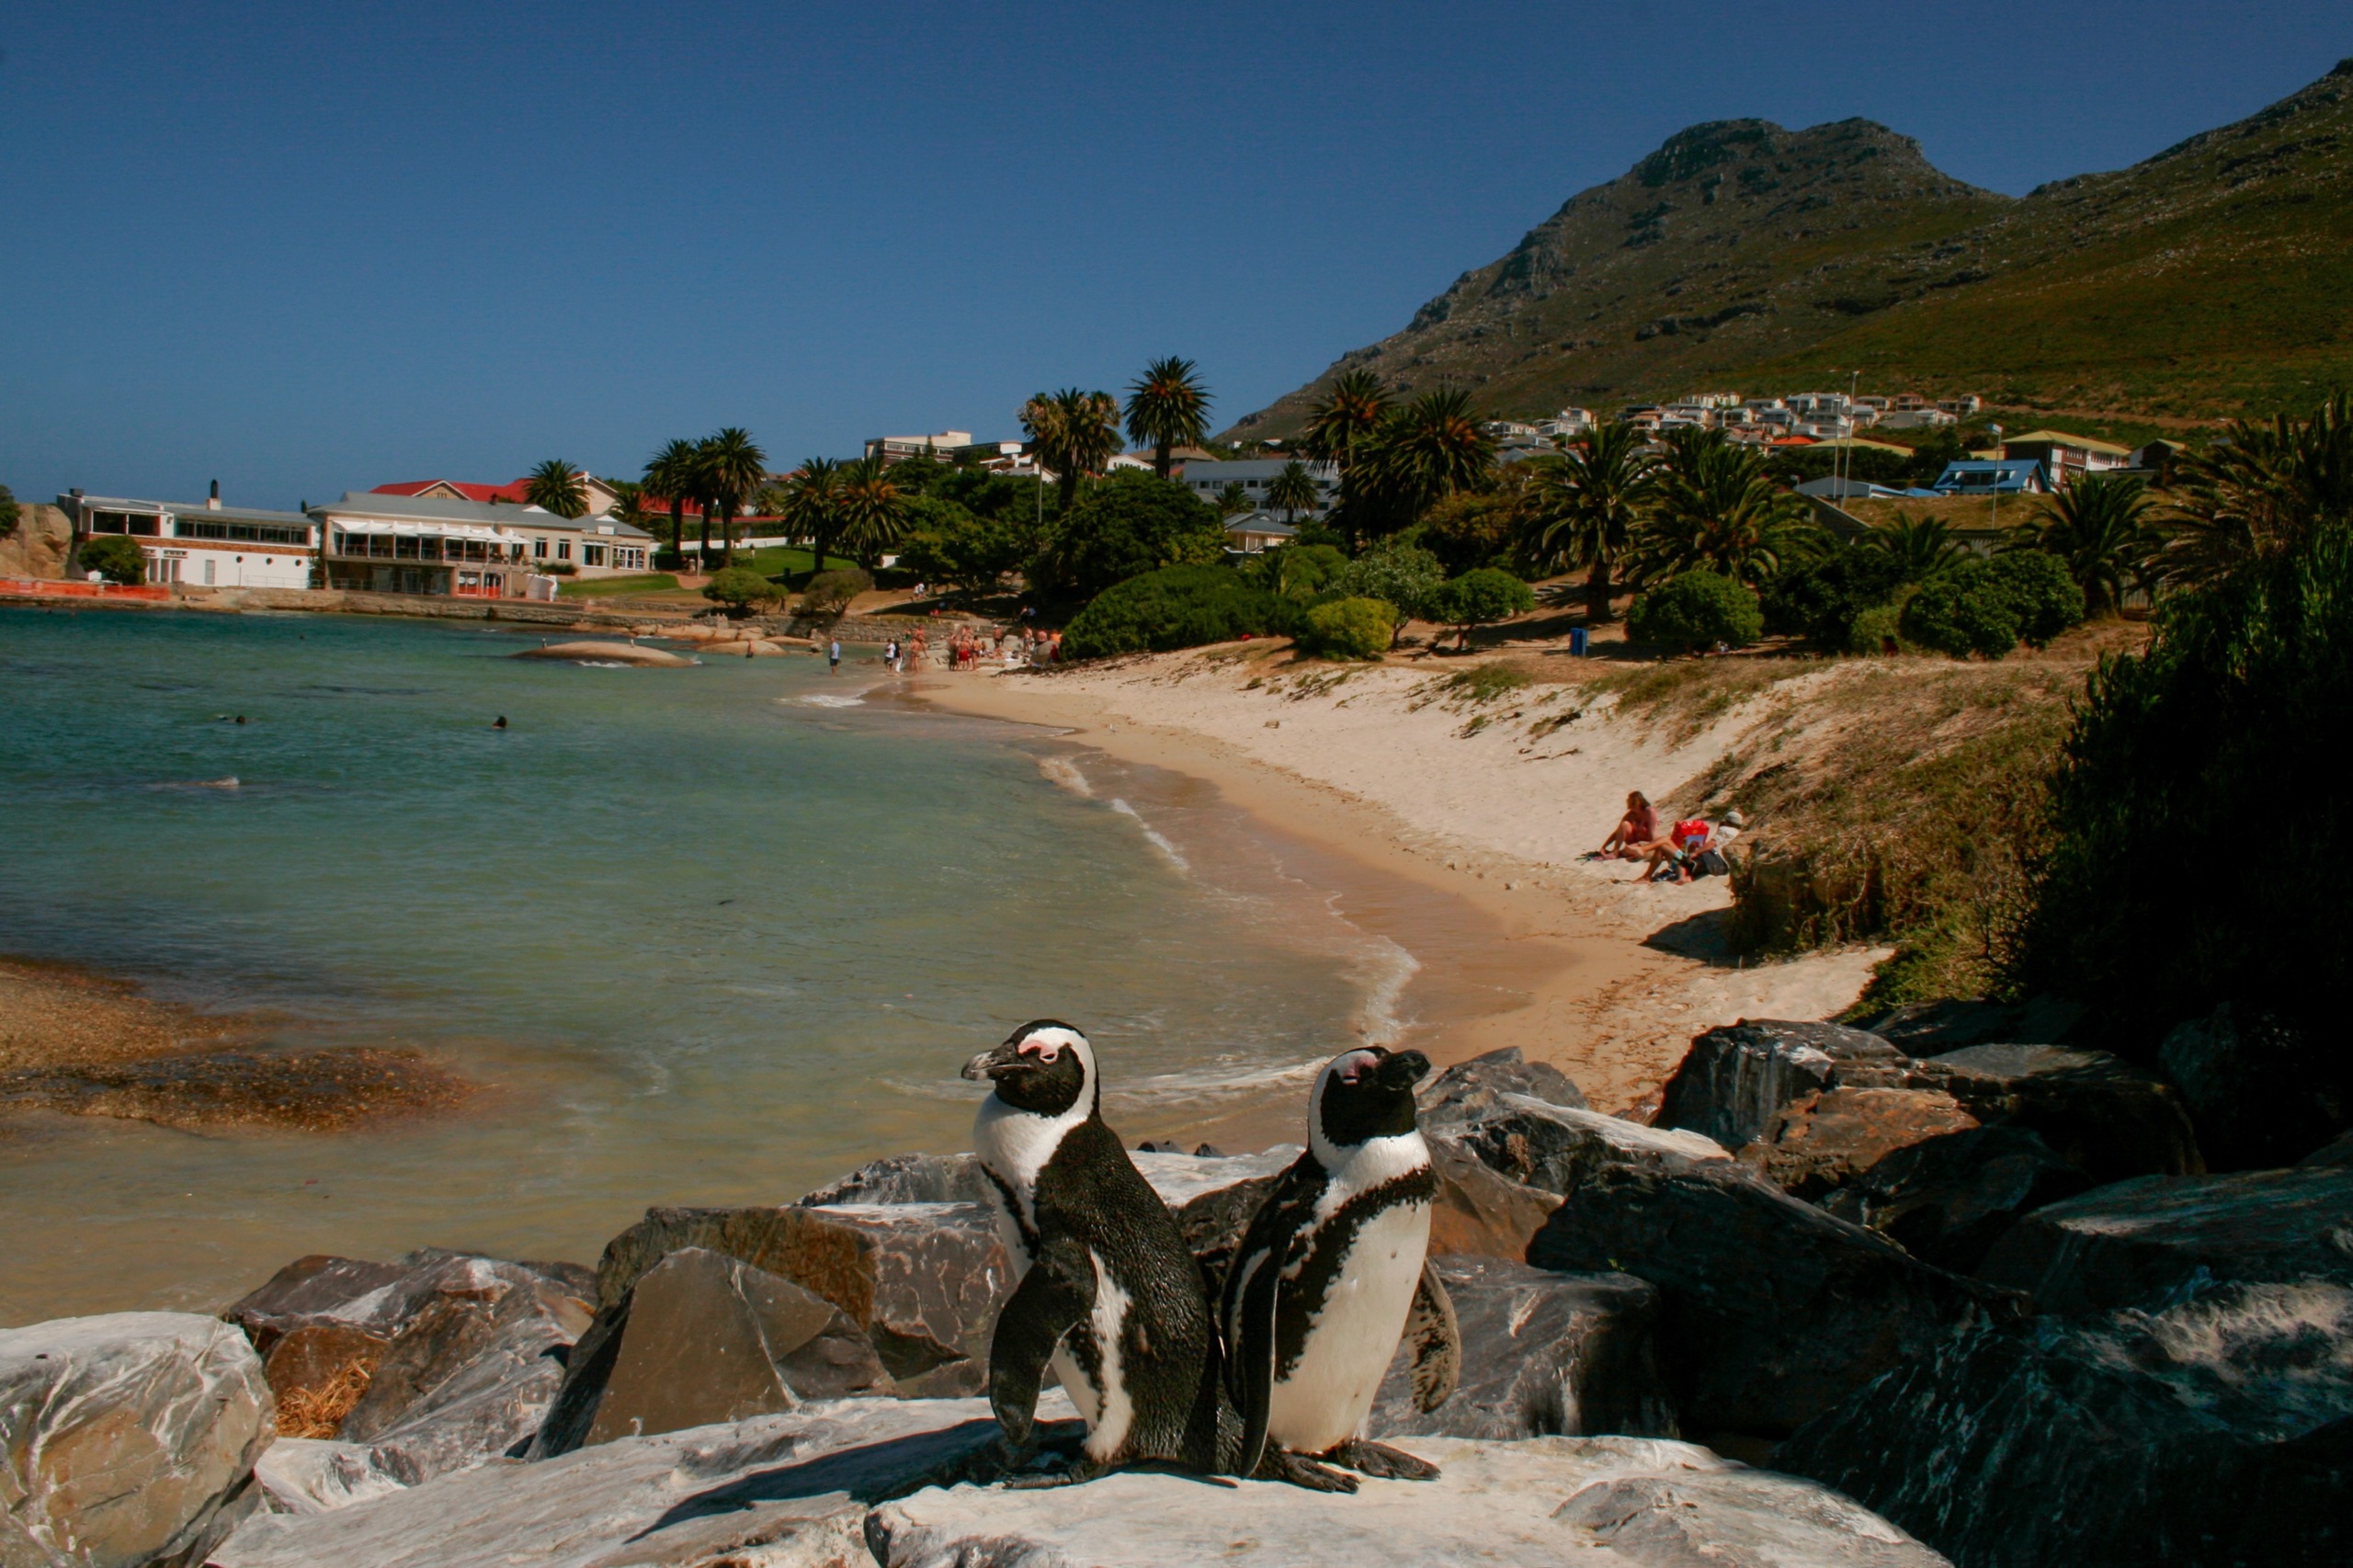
<point x="1062" y="770"/>
<point x="601" y="664"/>
<point x="1385" y="970"/>
<point x="830" y="699"/>
<point x="228" y="783"/>
<point x="1176" y="857"/>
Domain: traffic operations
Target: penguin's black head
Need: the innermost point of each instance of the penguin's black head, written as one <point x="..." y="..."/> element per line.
<point x="1366" y="1093"/>
<point x="1043" y="1067"/>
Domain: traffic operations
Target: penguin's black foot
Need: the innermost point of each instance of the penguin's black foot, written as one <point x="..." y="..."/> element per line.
<point x="1277" y="1465"/>
<point x="1076" y="1472"/>
<point x="1380" y="1461"/>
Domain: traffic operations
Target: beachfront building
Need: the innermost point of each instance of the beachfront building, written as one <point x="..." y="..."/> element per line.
<point x="1209" y="480"/>
<point x="383" y="543"/>
<point x="203" y="543"/>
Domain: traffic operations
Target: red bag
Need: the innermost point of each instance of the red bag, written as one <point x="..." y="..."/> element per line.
<point x="1686" y="831"/>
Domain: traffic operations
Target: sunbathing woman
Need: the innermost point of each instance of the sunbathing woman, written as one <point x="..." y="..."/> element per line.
<point x="1636" y="832"/>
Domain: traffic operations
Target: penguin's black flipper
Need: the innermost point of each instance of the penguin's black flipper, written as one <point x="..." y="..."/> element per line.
<point x="1253" y="1292"/>
<point x="1053" y="1296"/>
<point x="1436" y="1341"/>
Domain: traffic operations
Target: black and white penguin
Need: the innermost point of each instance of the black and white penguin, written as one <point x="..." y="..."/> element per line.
<point x="1108" y="1294"/>
<point x="1331" y="1274"/>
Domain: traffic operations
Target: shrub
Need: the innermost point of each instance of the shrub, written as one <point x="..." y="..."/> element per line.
<point x="740" y="588"/>
<point x="116" y="557"/>
<point x="828" y="594"/>
<point x="8" y="511"/>
<point x="1479" y="597"/>
<point x="1123" y="526"/>
<point x="1989" y="606"/>
<point x="1697" y="610"/>
<point x="1177" y="606"/>
<point x="1874" y="628"/>
<point x="1349" y="629"/>
<point x="1297" y="571"/>
<point x="1403" y="576"/>
<point x="2046" y="598"/>
<point x="1820" y="602"/>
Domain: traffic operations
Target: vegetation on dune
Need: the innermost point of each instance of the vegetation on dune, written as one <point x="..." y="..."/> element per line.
<point x="1176" y="607"/>
<point x="829" y="593"/>
<point x="1699" y="609"/>
<point x="1989" y="606"/>
<point x="1349" y="629"/>
<point x="8" y="511"/>
<point x="1128" y="524"/>
<point x="1479" y="597"/>
<point x="1588" y="505"/>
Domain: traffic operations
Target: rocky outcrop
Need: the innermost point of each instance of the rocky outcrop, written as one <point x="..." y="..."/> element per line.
<point x="1931" y="1029"/>
<point x="1471" y="1090"/>
<point x="1736" y="1078"/>
<point x="906" y="1178"/>
<point x="1479" y="1212"/>
<point x="1772" y="1311"/>
<point x="126" y="1438"/>
<point x="1557" y="1148"/>
<point x="317" y="1475"/>
<point x="2137" y="1243"/>
<point x="2339" y="1152"/>
<point x="1948" y="1200"/>
<point x="599" y="653"/>
<point x="1543" y="1355"/>
<point x="1598" y="1501"/>
<point x="1819" y="1142"/>
<point x="2100" y="1113"/>
<point x="2219" y="1431"/>
<point x="703" y="1338"/>
<point x="2264" y="1089"/>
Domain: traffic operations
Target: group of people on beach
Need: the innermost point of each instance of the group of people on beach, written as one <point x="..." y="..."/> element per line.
<point x="1688" y="848"/>
<point x="969" y="647"/>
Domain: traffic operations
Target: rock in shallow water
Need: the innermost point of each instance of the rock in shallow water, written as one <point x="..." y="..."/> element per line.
<point x="124" y="1438"/>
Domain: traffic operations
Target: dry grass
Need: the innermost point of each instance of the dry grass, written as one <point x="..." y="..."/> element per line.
<point x="319" y="1412"/>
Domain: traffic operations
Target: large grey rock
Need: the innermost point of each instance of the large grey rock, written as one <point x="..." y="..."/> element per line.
<point x="2136" y="1242"/>
<point x="125" y="1438"/>
<point x="922" y="1281"/>
<point x="1772" y="1311"/>
<point x="1929" y="1029"/>
<point x="1819" y="1142"/>
<point x="1481" y="1212"/>
<point x="2339" y="1152"/>
<point x="906" y="1178"/>
<point x="1735" y="1077"/>
<point x="1558" y="1147"/>
<point x="2101" y="1114"/>
<point x="1468" y="1090"/>
<point x="2219" y="1431"/>
<point x="1543" y="1354"/>
<point x="703" y="1338"/>
<point x="316" y="1476"/>
<point x="1946" y="1200"/>
<point x="773" y="1492"/>
<point x="1602" y="1502"/>
<point x="2264" y="1089"/>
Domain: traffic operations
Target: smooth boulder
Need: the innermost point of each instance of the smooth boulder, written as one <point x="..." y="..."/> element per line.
<point x="2216" y="1432"/>
<point x="2137" y="1243"/>
<point x="599" y="653"/>
<point x="1735" y="1078"/>
<point x="1821" y="1141"/>
<point x="2263" y="1088"/>
<point x="2100" y="1113"/>
<point x="125" y="1438"/>
<point x="1543" y="1355"/>
<point x="1602" y="1502"/>
<point x="1558" y="1147"/>
<point x="1469" y="1090"/>
<point x="905" y="1179"/>
<point x="1931" y="1029"/>
<point x="1948" y="1200"/>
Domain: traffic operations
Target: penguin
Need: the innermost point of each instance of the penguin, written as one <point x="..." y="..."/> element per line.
<point x="1332" y="1272"/>
<point x="1107" y="1292"/>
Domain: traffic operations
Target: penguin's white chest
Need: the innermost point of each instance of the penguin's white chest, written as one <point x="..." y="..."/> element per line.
<point x="1352" y="1339"/>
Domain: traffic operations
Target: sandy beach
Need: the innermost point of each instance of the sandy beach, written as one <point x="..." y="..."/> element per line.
<point x="1486" y="805"/>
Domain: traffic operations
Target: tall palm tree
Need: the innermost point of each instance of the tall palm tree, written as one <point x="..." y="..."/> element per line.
<point x="557" y="486"/>
<point x="1346" y="418"/>
<point x="873" y="510"/>
<point x="2099" y="527"/>
<point x="1587" y="504"/>
<point x="2258" y="492"/>
<point x="1167" y="406"/>
<point x="1716" y="508"/>
<point x="1428" y="450"/>
<point x="1073" y="433"/>
<point x="1921" y="548"/>
<point x="812" y="506"/>
<point x="670" y="475"/>
<point x="1294" y="490"/>
<point x="733" y="469"/>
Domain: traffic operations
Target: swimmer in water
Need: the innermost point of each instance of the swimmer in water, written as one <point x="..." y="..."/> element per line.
<point x="499" y="723"/>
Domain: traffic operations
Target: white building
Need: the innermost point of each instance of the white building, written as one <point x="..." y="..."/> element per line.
<point x="898" y="449"/>
<point x="204" y="545"/>
<point x="431" y="544"/>
<point x="1209" y="480"/>
<point x="1566" y="424"/>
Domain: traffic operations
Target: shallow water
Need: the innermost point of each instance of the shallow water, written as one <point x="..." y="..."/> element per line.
<point x="710" y="935"/>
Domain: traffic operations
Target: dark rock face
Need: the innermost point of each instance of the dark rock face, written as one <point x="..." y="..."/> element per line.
<point x="1948" y="1200"/>
<point x="1480" y="1213"/>
<point x="1735" y="1078"/>
<point x="2338" y="1152"/>
<point x="1819" y="1142"/>
<point x="1542" y="1354"/>
<point x="2219" y="1431"/>
<point x="906" y="1178"/>
<point x="1469" y="1090"/>
<point x="2101" y="1114"/>
<point x="704" y="1338"/>
<point x="2263" y="1090"/>
<point x="2135" y="1243"/>
<point x="1931" y="1029"/>
<point x="922" y="1281"/>
<point x="1772" y="1311"/>
<point x="1557" y="1148"/>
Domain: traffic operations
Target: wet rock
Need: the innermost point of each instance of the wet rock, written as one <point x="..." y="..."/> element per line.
<point x="1556" y="1148"/>
<point x="1930" y="1029"/>
<point x="922" y="1281"/>
<point x="1736" y="1077"/>
<point x="1546" y="1501"/>
<point x="2263" y="1089"/>
<point x="703" y="1338"/>
<point x="1771" y="1311"/>
<point x="2100" y="1113"/>
<point x="315" y="1475"/>
<point x="2219" y="1431"/>
<point x="2338" y="1152"/>
<point x="1543" y="1354"/>
<point x="906" y="1178"/>
<point x="2136" y="1242"/>
<point x="1948" y="1200"/>
<point x="786" y="1491"/>
<point x="1480" y="1212"/>
<point x="125" y="1438"/>
<point x="1819" y="1142"/>
<point x="1469" y="1090"/>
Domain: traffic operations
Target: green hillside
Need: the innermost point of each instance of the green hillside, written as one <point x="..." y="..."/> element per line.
<point x="2213" y="280"/>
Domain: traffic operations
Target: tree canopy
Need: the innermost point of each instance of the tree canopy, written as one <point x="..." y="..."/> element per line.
<point x="1167" y="407"/>
<point x="1128" y="524"/>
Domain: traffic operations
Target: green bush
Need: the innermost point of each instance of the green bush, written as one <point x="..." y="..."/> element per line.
<point x="740" y="589"/>
<point x="1872" y="629"/>
<point x="1297" y="571"/>
<point x="1123" y="526"/>
<point x="1401" y="575"/>
<point x="1349" y="629"/>
<point x="830" y="593"/>
<point x="1697" y="610"/>
<point x="1821" y="601"/>
<point x="115" y="557"/>
<point x="1177" y="606"/>
<point x="1479" y="597"/>
<point x="1989" y="606"/>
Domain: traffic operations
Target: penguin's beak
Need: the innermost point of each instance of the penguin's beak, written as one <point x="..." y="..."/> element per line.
<point x="991" y="1065"/>
<point x="1402" y="1070"/>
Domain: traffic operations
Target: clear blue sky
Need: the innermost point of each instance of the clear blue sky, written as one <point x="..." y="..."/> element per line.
<point x="305" y="248"/>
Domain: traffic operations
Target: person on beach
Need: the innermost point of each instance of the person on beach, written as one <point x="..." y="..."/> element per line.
<point x="1681" y="848"/>
<point x="891" y="655"/>
<point x="833" y="655"/>
<point x="1636" y="834"/>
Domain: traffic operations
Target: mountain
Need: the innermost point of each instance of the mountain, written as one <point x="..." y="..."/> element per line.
<point x="2212" y="279"/>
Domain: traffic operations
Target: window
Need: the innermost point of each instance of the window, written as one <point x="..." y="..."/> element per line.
<point x="591" y="555"/>
<point x="539" y="549"/>
<point x="564" y="550"/>
<point x="256" y="533"/>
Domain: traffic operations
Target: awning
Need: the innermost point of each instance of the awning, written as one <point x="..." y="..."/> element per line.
<point x="438" y="530"/>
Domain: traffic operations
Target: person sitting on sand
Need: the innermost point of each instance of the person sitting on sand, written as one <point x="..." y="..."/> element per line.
<point x="1681" y="848"/>
<point x="1636" y="832"/>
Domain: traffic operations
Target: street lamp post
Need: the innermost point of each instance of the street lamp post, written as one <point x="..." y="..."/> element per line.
<point x="1995" y="431"/>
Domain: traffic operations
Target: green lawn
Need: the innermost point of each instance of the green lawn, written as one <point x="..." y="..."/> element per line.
<point x="778" y="560"/>
<point x="616" y="588"/>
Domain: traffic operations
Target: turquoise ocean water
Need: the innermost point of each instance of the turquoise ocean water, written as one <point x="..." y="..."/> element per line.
<point x="711" y="935"/>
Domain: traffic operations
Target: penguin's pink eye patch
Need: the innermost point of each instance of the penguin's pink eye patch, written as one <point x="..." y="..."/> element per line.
<point x="1045" y="1051"/>
<point x="1352" y="1067"/>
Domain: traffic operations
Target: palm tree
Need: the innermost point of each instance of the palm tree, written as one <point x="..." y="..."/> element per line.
<point x="1346" y="418"/>
<point x="2099" y="527"/>
<point x="1073" y="433"/>
<point x="1167" y="406"/>
<point x="1587" y="504"/>
<point x="629" y="503"/>
<point x="1921" y="548"/>
<point x="812" y="505"/>
<point x="873" y="509"/>
<point x="1294" y="490"/>
<point x="1428" y="450"/>
<point x="1716" y="508"/>
<point x="557" y="486"/>
<point x="733" y="469"/>
<point x="2258" y="493"/>
<point x="670" y="475"/>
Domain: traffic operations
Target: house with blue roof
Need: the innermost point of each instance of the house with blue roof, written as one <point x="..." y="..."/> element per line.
<point x="1993" y="476"/>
